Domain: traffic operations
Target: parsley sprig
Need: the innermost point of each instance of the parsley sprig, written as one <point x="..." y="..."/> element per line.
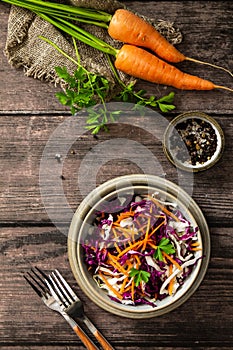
<point x="139" y="276"/>
<point x="85" y="90"/>
<point x="164" y="245"/>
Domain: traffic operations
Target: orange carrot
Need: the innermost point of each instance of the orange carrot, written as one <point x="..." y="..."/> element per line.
<point x="132" y="29"/>
<point x="171" y="283"/>
<point x="164" y="209"/>
<point x="119" y="296"/>
<point x="124" y="215"/>
<point x="126" y="280"/>
<point x="172" y="260"/>
<point x="133" y="246"/>
<point x="132" y="290"/>
<point x="113" y="261"/>
<point x="141" y="64"/>
<point x="146" y="234"/>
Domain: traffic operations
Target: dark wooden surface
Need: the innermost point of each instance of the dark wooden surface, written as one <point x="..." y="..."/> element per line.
<point x="29" y="114"/>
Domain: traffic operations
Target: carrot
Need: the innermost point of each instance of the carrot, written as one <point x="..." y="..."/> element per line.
<point x="141" y="64"/>
<point x="132" y="290"/>
<point x="132" y="29"/>
<point x="166" y="256"/>
<point x="164" y="209"/>
<point x="171" y="283"/>
<point x="146" y="234"/>
<point x="126" y="280"/>
<point x="113" y="261"/>
<point x="133" y="246"/>
<point x="119" y="296"/>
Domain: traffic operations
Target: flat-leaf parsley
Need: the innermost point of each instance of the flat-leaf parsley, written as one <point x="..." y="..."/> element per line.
<point x="164" y="245"/>
<point x="139" y="276"/>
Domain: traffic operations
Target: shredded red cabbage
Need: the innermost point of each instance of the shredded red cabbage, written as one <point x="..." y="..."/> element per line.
<point x="141" y="251"/>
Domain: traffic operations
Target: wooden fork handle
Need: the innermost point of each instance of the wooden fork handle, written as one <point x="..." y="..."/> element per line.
<point x="105" y="344"/>
<point x="84" y="338"/>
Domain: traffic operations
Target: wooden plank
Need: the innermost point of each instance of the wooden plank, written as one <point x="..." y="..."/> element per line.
<point x="203" y="321"/>
<point x="23" y="142"/>
<point x="120" y="347"/>
<point x="207" y="43"/>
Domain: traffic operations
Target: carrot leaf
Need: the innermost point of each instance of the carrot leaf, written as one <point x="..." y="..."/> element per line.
<point x="166" y="246"/>
<point x="139" y="98"/>
<point x="85" y="90"/>
<point x="139" y="276"/>
<point x="165" y="103"/>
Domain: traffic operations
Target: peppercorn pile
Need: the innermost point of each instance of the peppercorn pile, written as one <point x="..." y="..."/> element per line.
<point x="200" y="140"/>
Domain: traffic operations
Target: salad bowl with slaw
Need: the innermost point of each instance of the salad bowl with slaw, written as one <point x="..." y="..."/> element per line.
<point x="138" y="246"/>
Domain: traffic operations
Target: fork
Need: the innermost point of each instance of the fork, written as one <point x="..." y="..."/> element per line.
<point x="72" y="305"/>
<point x="40" y="286"/>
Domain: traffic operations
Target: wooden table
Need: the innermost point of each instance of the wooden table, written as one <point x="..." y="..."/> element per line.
<point x="29" y="114"/>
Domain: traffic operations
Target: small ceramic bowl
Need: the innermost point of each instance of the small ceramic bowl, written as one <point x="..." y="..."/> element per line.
<point x="193" y="141"/>
<point x="83" y="219"/>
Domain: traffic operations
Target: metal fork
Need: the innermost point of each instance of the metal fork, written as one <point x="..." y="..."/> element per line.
<point x="37" y="280"/>
<point x="72" y="305"/>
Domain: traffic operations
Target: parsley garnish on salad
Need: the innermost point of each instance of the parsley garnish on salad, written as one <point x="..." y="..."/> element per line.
<point x="141" y="250"/>
<point x="139" y="276"/>
<point x="164" y="245"/>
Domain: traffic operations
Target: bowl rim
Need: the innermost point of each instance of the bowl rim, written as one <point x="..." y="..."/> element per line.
<point x="197" y="115"/>
<point x="87" y="204"/>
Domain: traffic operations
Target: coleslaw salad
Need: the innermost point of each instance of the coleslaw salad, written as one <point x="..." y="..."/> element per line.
<point x="143" y="251"/>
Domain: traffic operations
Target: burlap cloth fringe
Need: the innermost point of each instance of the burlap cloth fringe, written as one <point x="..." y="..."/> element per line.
<point x="38" y="59"/>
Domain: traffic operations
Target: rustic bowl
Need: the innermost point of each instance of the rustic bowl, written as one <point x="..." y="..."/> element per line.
<point x="83" y="218"/>
<point x="170" y="149"/>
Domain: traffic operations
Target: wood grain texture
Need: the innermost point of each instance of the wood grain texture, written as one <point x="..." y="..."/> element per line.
<point x="30" y="116"/>
<point x="23" y="142"/>
<point x="205" y="319"/>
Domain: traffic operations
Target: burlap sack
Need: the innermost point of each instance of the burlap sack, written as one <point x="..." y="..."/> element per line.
<point x="25" y="50"/>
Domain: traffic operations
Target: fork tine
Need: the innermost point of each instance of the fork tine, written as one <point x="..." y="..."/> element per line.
<point x="42" y="280"/>
<point x="61" y="289"/>
<point x="55" y="291"/>
<point x="37" y="283"/>
<point x="67" y="286"/>
<point x="38" y="292"/>
<point x="42" y="274"/>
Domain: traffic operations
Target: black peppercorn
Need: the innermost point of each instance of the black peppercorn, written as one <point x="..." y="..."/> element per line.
<point x="198" y="136"/>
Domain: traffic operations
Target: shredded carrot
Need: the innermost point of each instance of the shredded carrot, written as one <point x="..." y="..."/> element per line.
<point x="138" y="262"/>
<point x="117" y="247"/>
<point x="129" y="267"/>
<point x="142" y="228"/>
<point x="156" y="228"/>
<point x="126" y="232"/>
<point x="168" y="257"/>
<point x="164" y="209"/>
<point x="171" y="283"/>
<point x="116" y="264"/>
<point x="123" y="285"/>
<point x="195" y="244"/>
<point x="110" y="286"/>
<point x="128" y="288"/>
<point x="110" y="274"/>
<point x="136" y="244"/>
<point x="132" y="290"/>
<point x="152" y="245"/>
<point x="146" y="235"/>
<point x="124" y="215"/>
<point x="114" y="232"/>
